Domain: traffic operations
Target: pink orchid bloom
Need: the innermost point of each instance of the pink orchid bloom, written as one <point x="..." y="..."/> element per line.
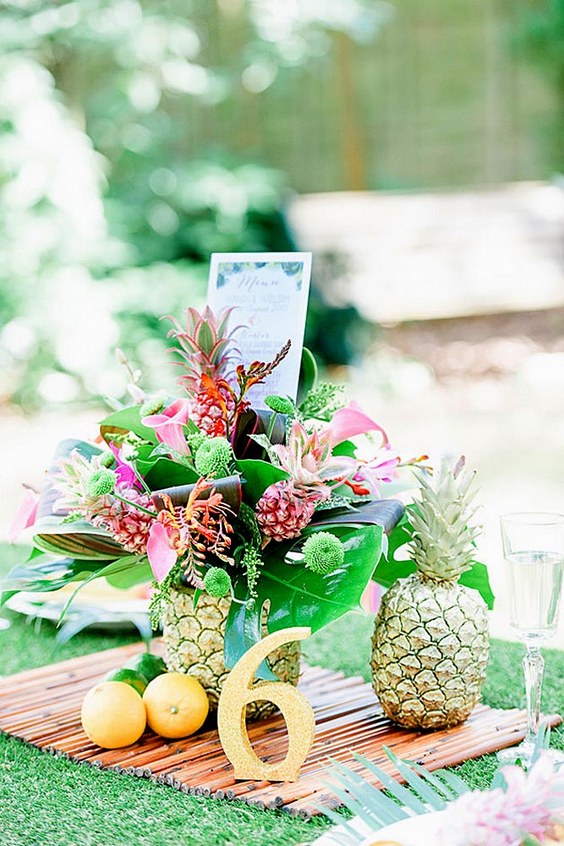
<point x="350" y="421"/>
<point x="308" y="458"/>
<point x="125" y="473"/>
<point x="169" y="425"/>
<point x="369" y="474"/>
<point x="161" y="550"/>
<point x="25" y="515"/>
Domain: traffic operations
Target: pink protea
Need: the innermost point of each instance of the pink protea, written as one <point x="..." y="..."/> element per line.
<point x="126" y="524"/>
<point x="284" y="509"/>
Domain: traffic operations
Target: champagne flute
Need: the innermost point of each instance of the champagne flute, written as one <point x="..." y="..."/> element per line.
<point x="533" y="548"/>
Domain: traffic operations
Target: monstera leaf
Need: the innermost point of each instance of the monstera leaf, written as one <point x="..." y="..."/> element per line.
<point x="295" y="596"/>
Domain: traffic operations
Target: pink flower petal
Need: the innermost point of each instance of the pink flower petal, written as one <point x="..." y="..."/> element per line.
<point x="25" y="515"/>
<point x="169" y="425"/>
<point x="371" y="598"/>
<point x="162" y="557"/>
<point x="350" y="421"/>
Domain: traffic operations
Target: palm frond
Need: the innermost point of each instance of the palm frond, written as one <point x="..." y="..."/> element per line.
<point x="425" y="792"/>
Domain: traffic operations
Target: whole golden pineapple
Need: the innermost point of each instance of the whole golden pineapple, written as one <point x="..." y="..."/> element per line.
<point x="194" y="644"/>
<point x="430" y="644"/>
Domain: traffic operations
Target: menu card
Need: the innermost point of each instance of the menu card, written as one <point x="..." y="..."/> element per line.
<point x="269" y="293"/>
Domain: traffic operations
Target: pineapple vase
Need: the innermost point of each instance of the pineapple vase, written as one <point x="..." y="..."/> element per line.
<point x="193" y="637"/>
<point x="431" y="646"/>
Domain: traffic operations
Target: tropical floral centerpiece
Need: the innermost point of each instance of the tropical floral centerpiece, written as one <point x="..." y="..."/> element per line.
<point x="246" y="519"/>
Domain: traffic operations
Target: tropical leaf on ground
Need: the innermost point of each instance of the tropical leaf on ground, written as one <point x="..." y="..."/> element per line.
<point x="296" y="596"/>
<point x="425" y="792"/>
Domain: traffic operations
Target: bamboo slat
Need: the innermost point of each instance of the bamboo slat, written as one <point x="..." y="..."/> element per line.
<point x="42" y="707"/>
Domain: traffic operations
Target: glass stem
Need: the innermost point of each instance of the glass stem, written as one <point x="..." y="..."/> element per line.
<point x="533" y="665"/>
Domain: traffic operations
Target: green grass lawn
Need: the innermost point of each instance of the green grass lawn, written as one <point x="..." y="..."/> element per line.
<point x="54" y="802"/>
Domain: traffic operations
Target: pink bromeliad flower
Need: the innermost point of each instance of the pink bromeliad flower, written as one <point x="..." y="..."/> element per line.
<point x="308" y="458"/>
<point x="169" y="425"/>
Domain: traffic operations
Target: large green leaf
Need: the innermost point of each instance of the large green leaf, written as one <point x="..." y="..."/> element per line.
<point x="134" y="571"/>
<point x="127" y="420"/>
<point x="381" y="512"/>
<point x="78" y="539"/>
<point x="308" y="374"/>
<point x="396" y="565"/>
<point x="295" y="596"/>
<point x="257" y="476"/>
<point x="166" y="473"/>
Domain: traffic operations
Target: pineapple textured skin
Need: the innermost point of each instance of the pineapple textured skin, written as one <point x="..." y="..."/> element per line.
<point x="194" y="645"/>
<point x="430" y="652"/>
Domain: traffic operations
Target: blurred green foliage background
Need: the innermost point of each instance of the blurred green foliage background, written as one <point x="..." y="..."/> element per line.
<point x="134" y="142"/>
<point x="107" y="223"/>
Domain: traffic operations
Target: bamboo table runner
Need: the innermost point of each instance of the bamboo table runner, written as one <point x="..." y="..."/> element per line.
<point x="42" y="708"/>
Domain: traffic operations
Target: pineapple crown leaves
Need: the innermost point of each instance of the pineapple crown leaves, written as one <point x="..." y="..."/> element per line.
<point x="443" y="523"/>
<point x="206" y="345"/>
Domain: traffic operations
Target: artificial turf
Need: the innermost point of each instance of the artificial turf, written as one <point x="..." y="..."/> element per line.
<point x="46" y="801"/>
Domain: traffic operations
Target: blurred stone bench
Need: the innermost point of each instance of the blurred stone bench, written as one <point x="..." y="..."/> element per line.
<point x="446" y="254"/>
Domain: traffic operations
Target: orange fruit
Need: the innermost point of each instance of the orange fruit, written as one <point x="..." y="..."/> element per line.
<point x="177" y="705"/>
<point x="113" y="715"/>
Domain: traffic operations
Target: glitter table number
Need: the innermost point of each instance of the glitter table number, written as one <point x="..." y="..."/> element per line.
<point x="238" y="692"/>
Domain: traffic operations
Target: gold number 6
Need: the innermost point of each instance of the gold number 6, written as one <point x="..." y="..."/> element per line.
<point x="238" y="691"/>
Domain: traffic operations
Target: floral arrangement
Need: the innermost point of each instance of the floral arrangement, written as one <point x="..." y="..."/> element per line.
<point x="520" y="808"/>
<point x="272" y="507"/>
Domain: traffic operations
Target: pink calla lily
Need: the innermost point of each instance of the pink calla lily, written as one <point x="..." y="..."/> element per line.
<point x="161" y="554"/>
<point x="169" y="425"/>
<point x="350" y="421"/>
<point x="25" y="515"/>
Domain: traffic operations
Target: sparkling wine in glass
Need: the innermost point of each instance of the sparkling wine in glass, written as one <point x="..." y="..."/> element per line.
<point x="533" y="548"/>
